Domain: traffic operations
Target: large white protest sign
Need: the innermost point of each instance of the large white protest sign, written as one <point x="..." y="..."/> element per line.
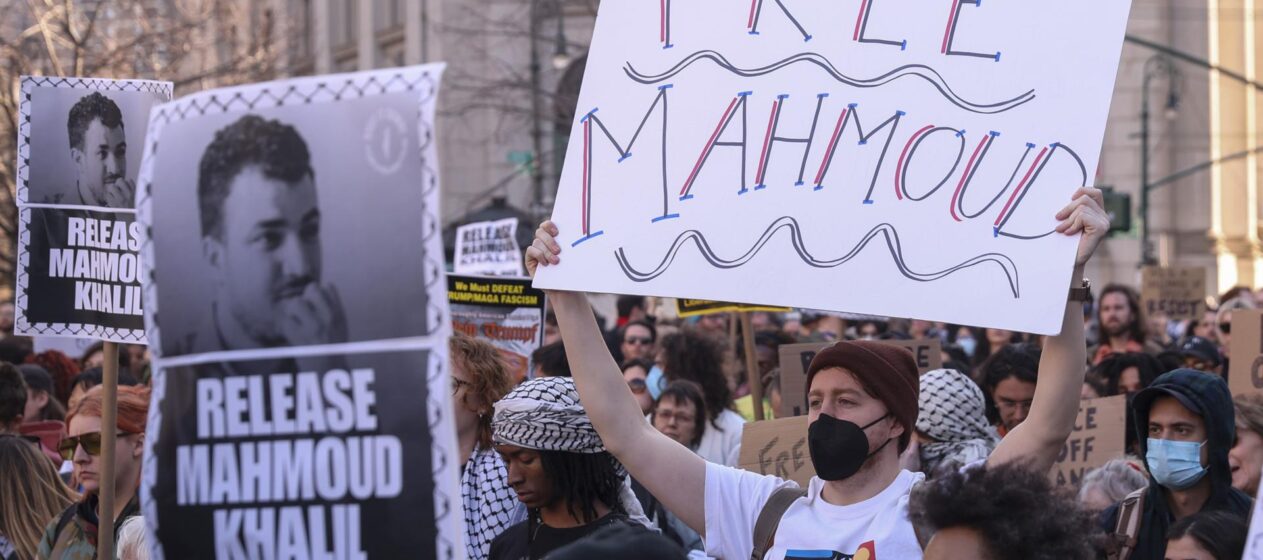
<point x="79" y="148"/>
<point x="297" y="310"/>
<point x="891" y="157"/>
<point x="488" y="248"/>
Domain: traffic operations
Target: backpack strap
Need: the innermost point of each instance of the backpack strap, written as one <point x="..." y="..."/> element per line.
<point x="770" y="518"/>
<point x="1127" y="526"/>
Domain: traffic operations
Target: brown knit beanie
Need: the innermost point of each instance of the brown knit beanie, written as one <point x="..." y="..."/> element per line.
<point x="886" y="371"/>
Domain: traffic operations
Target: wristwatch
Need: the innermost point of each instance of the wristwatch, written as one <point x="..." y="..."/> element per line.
<point x="1082" y="293"/>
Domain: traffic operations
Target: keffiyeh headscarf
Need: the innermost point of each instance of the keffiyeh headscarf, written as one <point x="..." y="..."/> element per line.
<point x="952" y="411"/>
<point x="545" y="414"/>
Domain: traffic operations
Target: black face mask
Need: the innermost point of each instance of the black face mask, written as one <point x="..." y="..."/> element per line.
<point x="839" y="447"/>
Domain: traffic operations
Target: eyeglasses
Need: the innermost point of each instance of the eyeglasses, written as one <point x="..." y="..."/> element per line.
<point x="458" y="383"/>
<point x="640" y="341"/>
<point x="668" y="415"/>
<point x="638" y="386"/>
<point x="91" y="443"/>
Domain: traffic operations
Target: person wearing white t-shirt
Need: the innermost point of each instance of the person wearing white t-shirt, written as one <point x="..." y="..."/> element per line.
<point x="861" y="400"/>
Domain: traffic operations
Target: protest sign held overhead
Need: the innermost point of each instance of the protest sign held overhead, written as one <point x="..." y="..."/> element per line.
<point x="79" y="147"/>
<point x="1245" y="363"/>
<point x="488" y="248"/>
<point x="506" y="312"/>
<point x="296" y="410"/>
<point x="910" y="166"/>
<point x="1097" y="438"/>
<point x="796" y="358"/>
<point x="1179" y="292"/>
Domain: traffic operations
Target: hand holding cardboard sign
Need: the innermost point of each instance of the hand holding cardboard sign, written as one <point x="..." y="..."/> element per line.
<point x="315" y="317"/>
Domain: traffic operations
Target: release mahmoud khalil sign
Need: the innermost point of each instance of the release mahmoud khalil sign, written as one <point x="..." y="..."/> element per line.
<point x="891" y="157"/>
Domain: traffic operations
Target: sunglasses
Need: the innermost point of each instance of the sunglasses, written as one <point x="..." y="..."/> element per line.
<point x="638" y="386"/>
<point x="1225" y="328"/>
<point x="91" y="443"/>
<point x="638" y="340"/>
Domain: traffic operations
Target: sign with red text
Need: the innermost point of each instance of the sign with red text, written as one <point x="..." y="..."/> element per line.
<point x="507" y="312"/>
<point x="899" y="158"/>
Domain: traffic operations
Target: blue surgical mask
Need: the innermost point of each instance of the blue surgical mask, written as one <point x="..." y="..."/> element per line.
<point x="967" y="344"/>
<point x="1175" y="464"/>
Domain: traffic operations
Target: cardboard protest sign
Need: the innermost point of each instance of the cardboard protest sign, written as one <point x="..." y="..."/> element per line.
<point x="694" y="307"/>
<point x="506" y="312"/>
<point x="1098" y="437"/>
<point x="1180" y="292"/>
<point x="910" y="166"/>
<point x="777" y="447"/>
<point x="488" y="248"/>
<point x="1245" y="362"/>
<point x="796" y="358"/>
<point x="294" y="296"/>
<point x="79" y="147"/>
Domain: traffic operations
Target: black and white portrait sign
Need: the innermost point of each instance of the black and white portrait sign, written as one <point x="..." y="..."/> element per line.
<point x="79" y="147"/>
<point x="300" y="407"/>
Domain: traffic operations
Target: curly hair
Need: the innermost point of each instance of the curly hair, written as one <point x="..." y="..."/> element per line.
<point x="277" y="148"/>
<point x="61" y="367"/>
<point x="1019" y="361"/>
<point x="580" y="479"/>
<point x="694" y="357"/>
<point x="93" y="106"/>
<point x="1017" y="512"/>
<point x="489" y="374"/>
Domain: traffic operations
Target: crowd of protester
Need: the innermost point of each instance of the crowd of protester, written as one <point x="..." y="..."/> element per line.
<point x="624" y="440"/>
<point x="50" y="449"/>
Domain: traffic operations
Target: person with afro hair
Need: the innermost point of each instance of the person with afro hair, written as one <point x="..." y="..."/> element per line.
<point x="1000" y="513"/>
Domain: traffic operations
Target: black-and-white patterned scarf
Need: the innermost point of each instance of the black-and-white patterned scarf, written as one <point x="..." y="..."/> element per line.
<point x="952" y="411"/>
<point x="545" y="414"/>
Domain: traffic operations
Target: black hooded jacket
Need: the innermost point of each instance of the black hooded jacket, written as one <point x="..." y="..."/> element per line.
<point x="1208" y="396"/>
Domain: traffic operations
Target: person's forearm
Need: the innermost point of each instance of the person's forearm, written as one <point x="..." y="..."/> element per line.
<point x="609" y="403"/>
<point x="1061" y="371"/>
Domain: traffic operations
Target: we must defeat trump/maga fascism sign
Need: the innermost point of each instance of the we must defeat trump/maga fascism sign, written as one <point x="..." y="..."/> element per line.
<point x="890" y="157"/>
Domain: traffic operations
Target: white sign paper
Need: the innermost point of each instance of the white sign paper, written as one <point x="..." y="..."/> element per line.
<point x="488" y="248"/>
<point x="890" y="157"/>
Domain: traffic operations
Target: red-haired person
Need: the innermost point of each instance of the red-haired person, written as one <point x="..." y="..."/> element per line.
<point x="73" y="535"/>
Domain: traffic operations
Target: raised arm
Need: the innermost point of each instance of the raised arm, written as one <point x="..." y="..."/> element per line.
<point x="1039" y="439"/>
<point x="674" y="474"/>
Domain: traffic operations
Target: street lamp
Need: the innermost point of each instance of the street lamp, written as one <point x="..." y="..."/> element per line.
<point x="561" y="56"/>
<point x="1159" y="65"/>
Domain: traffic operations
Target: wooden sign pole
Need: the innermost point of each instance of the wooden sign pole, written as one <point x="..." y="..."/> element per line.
<point x="109" y="432"/>
<point x="753" y="377"/>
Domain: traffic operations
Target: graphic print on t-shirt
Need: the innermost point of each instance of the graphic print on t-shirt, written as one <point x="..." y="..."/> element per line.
<point x="866" y="551"/>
